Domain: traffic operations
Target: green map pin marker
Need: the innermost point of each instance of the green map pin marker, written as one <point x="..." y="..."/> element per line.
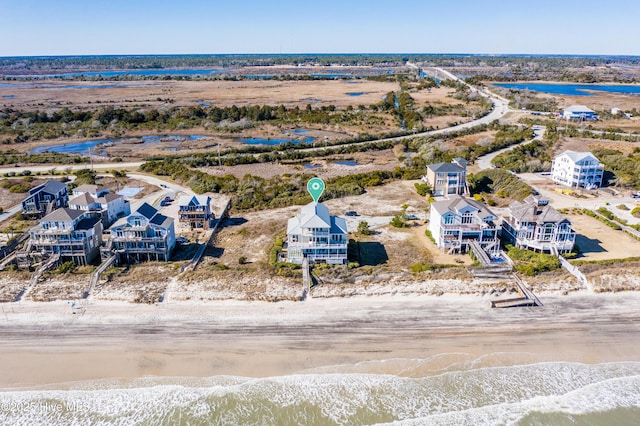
<point x="315" y="187"/>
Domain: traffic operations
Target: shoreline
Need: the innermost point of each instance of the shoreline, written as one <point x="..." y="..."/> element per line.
<point x="45" y="344"/>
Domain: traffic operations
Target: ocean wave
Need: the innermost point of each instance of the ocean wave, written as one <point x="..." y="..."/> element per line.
<point x="483" y="395"/>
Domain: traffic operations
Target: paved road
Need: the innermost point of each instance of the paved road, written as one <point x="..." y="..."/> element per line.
<point x="484" y="162"/>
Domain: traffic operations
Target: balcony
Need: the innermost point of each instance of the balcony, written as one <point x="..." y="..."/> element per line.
<point x="127" y="239"/>
<point x="140" y="250"/>
<point x="336" y="246"/>
<point x="58" y="242"/>
<point x="465" y="226"/>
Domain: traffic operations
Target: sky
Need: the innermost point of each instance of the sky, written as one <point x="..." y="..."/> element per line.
<point x="98" y="27"/>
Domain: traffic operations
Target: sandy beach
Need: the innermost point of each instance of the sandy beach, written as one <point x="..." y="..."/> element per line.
<point x="48" y="344"/>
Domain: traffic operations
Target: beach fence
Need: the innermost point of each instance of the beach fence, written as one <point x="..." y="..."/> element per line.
<point x="573" y="270"/>
<point x="53" y="260"/>
<point x="95" y="276"/>
<point x="306" y="279"/>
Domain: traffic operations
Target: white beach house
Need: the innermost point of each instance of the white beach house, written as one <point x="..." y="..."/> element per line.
<point x="579" y="112"/>
<point x="316" y="235"/>
<point x="577" y="169"/>
<point x="101" y="202"/>
<point x="457" y="223"/>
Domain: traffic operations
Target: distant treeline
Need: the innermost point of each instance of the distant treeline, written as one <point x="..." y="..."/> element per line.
<point x="38" y="65"/>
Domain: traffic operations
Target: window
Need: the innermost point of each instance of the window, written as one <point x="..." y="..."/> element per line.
<point x="547" y="232"/>
<point x="467" y="218"/>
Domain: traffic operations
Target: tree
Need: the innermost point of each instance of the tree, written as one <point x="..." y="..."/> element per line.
<point x="398" y="221"/>
<point x="423" y="188"/>
<point x="363" y="228"/>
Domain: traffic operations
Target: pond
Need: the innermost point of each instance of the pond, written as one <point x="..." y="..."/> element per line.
<point x="349" y="163"/>
<point x="84" y="146"/>
<point x="572" y="89"/>
<point x="273" y="142"/>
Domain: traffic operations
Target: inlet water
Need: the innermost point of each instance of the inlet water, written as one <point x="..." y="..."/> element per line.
<point x="572" y="89"/>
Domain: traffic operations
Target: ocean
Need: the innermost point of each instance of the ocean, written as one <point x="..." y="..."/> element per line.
<point x="442" y="390"/>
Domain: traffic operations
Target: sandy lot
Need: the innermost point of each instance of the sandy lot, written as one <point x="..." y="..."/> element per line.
<point x="598" y="242"/>
<point x="587" y="144"/>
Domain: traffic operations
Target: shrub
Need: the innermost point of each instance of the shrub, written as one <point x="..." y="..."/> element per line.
<point x="416" y="268"/>
<point x="398" y="221"/>
<point x="422" y="188"/>
<point x="531" y="263"/>
<point x="363" y="228"/>
<point x="66" y="267"/>
<point x="275" y="250"/>
<point x="242" y="260"/>
<point x="430" y="236"/>
<point x="20" y="188"/>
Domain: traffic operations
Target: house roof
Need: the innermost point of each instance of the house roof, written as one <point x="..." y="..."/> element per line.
<point x="445" y="168"/>
<point x="106" y="198"/>
<point x="50" y="187"/>
<point x="150" y="213"/>
<point x="530" y="210"/>
<point x="83" y="199"/>
<point x="197" y="200"/>
<point x="87" y="187"/>
<point x="338" y="225"/>
<point x="461" y="161"/>
<point x="146" y="210"/>
<point x="457" y="203"/>
<point x="576" y="156"/>
<point x="87" y="223"/>
<point x="315" y="215"/>
<point x="577" y="109"/>
<point x="62" y="215"/>
<point x="162" y="220"/>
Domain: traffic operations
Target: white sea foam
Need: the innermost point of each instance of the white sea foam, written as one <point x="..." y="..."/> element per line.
<point x="486" y="395"/>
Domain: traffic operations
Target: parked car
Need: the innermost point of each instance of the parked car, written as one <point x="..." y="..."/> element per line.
<point x="410" y="216"/>
<point x="635" y="195"/>
<point x="182" y="240"/>
<point x="351" y="213"/>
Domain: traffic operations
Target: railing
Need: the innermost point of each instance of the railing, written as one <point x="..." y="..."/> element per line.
<point x="161" y="250"/>
<point x="51" y="242"/>
<point x="466" y="226"/>
<point x="316" y="246"/>
<point x="139" y="239"/>
<point x="546" y="245"/>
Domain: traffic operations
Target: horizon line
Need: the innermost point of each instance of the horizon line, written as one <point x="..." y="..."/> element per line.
<point x="321" y="54"/>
